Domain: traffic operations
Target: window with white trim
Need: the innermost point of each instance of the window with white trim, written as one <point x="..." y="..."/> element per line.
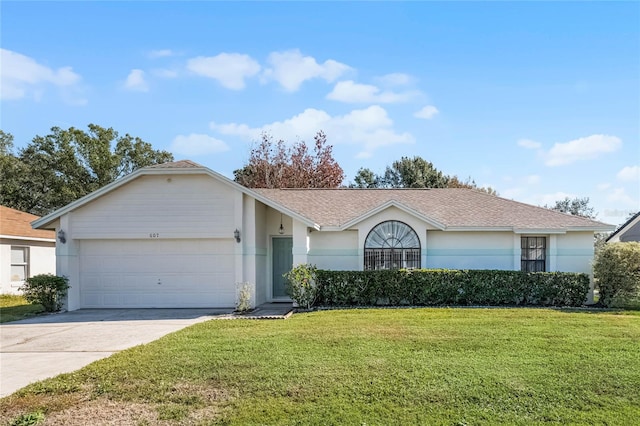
<point x="392" y="245"/>
<point x="19" y="264"/>
<point x="533" y="254"/>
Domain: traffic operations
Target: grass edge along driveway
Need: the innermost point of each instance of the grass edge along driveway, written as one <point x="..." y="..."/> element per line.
<point x="369" y="366"/>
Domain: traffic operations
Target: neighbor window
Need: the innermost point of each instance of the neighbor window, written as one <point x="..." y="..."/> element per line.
<point x="19" y="263"/>
<point x="392" y="245"/>
<point x="533" y="254"/>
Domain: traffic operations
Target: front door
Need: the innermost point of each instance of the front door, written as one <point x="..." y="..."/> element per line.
<point x="282" y="263"/>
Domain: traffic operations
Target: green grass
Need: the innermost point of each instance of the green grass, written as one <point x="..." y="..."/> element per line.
<point x="13" y="307"/>
<point x="370" y="366"/>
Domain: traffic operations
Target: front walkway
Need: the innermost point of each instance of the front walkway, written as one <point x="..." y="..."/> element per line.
<point x="276" y="310"/>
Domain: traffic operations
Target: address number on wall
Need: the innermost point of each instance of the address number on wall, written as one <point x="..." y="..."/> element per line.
<point x="154" y="235"/>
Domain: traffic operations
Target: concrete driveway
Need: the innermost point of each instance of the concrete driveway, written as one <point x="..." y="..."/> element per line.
<point x="42" y="347"/>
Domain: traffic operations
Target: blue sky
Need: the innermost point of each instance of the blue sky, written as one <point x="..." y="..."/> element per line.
<point x="537" y="100"/>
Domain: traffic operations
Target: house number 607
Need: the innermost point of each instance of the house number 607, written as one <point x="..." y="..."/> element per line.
<point x="154" y="235"/>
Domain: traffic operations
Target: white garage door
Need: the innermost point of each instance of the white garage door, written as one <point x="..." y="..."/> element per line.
<point x="157" y="273"/>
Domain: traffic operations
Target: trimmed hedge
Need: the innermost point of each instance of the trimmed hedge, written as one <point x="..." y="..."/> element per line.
<point x="433" y="287"/>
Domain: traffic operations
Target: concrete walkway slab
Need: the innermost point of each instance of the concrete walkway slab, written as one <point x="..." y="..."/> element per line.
<point x="37" y="348"/>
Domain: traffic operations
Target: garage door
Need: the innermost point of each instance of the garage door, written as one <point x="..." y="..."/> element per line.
<point x="193" y="273"/>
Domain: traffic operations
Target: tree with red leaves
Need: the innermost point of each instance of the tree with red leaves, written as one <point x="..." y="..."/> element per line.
<point x="273" y="164"/>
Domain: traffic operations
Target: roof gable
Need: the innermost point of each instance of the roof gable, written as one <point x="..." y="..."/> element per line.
<point x="176" y="167"/>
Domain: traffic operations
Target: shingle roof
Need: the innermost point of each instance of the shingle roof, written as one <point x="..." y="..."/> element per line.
<point x="18" y="224"/>
<point x="451" y="208"/>
<point x="182" y="164"/>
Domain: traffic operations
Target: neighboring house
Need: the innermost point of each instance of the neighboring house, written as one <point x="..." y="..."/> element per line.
<point x="182" y="235"/>
<point x="629" y="231"/>
<point x="24" y="251"/>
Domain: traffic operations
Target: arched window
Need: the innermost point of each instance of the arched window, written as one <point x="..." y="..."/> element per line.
<point x="392" y="245"/>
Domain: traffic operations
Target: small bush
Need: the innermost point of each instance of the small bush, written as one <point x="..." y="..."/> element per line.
<point x="617" y="273"/>
<point x="47" y="290"/>
<point x="243" y="299"/>
<point x="302" y="285"/>
<point x="433" y="287"/>
<point x="29" y="419"/>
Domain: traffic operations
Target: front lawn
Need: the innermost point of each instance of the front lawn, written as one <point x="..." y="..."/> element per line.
<point x="13" y="307"/>
<point x="355" y="367"/>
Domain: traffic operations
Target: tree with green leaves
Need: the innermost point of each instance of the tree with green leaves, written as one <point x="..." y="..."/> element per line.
<point x="274" y="164"/>
<point x="57" y="169"/>
<point x="365" y="178"/>
<point x="576" y="206"/>
<point x="413" y="172"/>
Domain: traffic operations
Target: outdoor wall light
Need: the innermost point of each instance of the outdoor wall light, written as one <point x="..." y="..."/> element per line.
<point x="236" y="235"/>
<point x="281" y="229"/>
<point x="62" y="237"/>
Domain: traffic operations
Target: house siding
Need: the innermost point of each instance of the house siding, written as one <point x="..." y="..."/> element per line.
<point x="574" y="252"/>
<point x="334" y="250"/>
<point x="471" y="250"/>
<point x="183" y="206"/>
<point x="42" y="260"/>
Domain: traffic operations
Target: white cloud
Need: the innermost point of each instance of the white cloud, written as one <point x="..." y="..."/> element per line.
<point x="517" y="192"/>
<point x="136" y="81"/>
<point x="161" y="53"/>
<point x="229" y="69"/>
<point x="395" y="79"/>
<point x="586" y="148"/>
<point x="197" y="144"/>
<point x="629" y="174"/>
<point x="351" y="92"/>
<point x="603" y="186"/>
<point x="548" y="199"/>
<point x="532" y="179"/>
<point x="22" y="77"/>
<point x="529" y="144"/>
<point x="511" y="193"/>
<point x="619" y="195"/>
<point x="370" y="128"/>
<point x="290" y="69"/>
<point x="427" y="112"/>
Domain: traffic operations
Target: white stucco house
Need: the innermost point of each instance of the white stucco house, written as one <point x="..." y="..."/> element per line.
<point x="182" y="235"/>
<point x="24" y="251"/>
<point x="628" y="231"/>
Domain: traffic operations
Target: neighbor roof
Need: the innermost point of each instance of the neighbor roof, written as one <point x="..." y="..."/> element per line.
<point x="634" y="221"/>
<point x="450" y="208"/>
<point x="14" y="223"/>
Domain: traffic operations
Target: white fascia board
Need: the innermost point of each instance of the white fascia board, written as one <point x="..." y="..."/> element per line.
<point x="382" y="207"/>
<point x="557" y="231"/>
<point x="15" y="237"/>
<point x="480" y="229"/>
<point x="606" y="228"/>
